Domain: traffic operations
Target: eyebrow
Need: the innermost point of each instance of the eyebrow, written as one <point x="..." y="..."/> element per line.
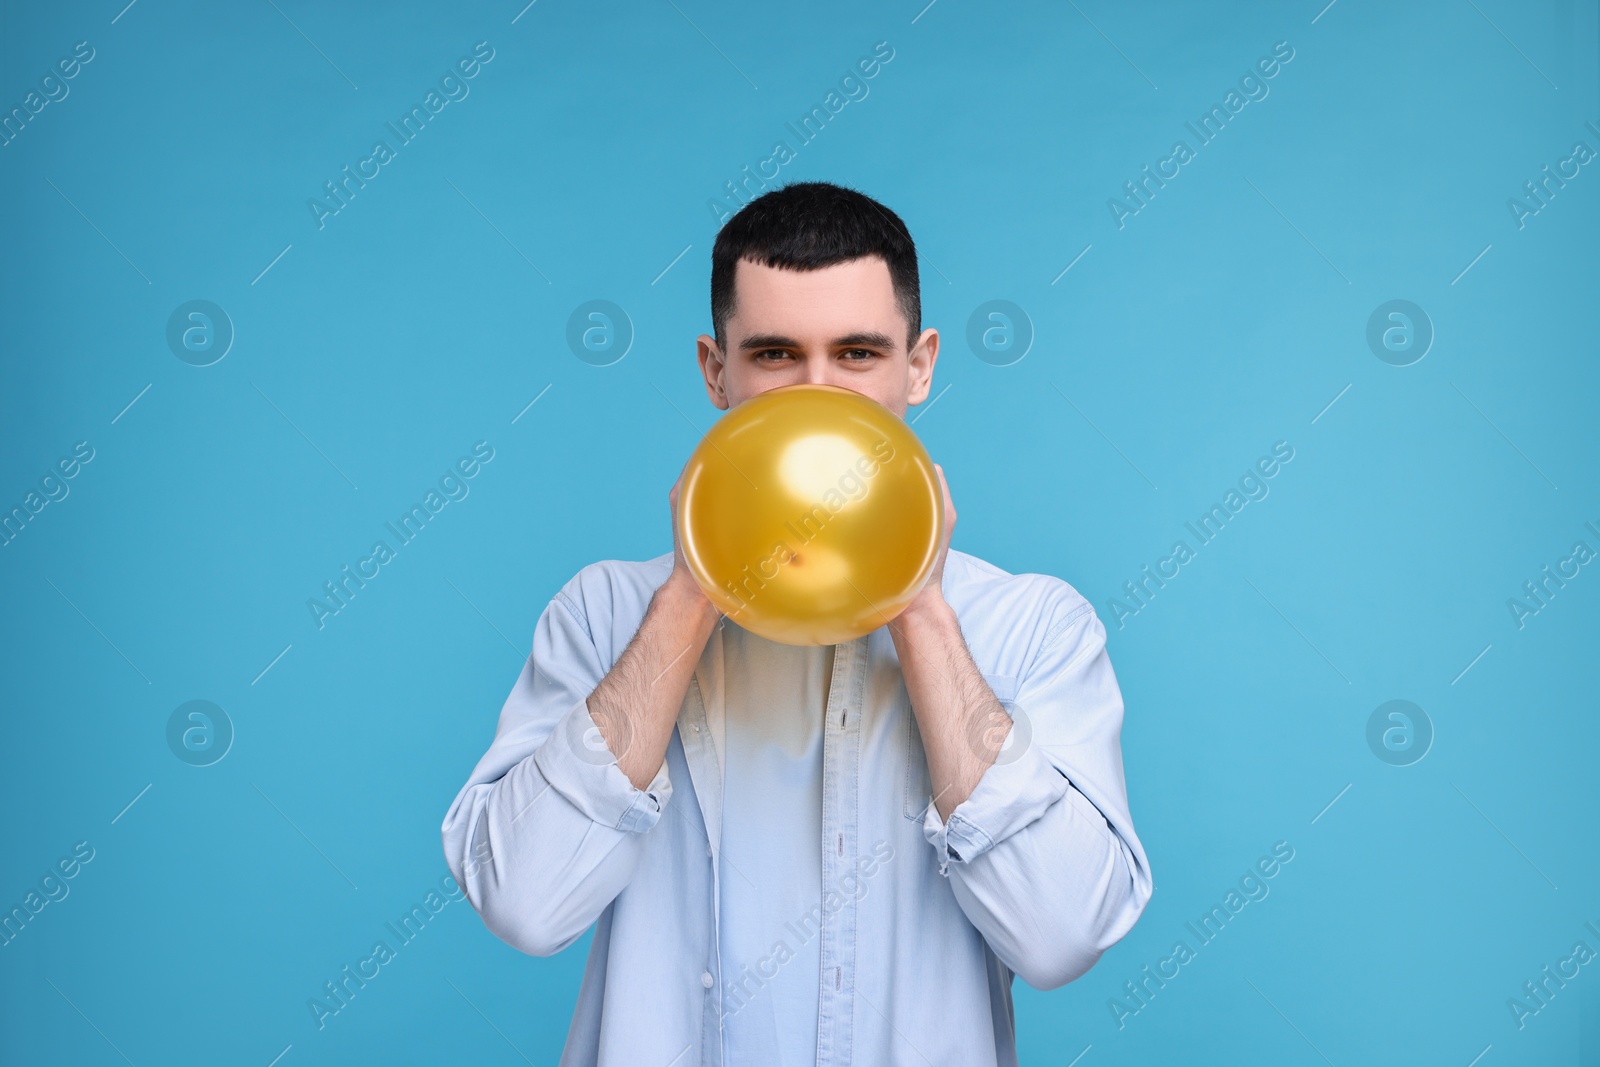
<point x="869" y="338"/>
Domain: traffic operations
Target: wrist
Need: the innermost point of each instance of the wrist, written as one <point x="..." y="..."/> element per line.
<point x="681" y="593"/>
<point x="928" y="610"/>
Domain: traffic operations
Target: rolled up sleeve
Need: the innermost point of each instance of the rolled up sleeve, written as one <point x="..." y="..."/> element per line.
<point x="547" y="830"/>
<point x="1042" y="855"/>
<point x="583" y="769"/>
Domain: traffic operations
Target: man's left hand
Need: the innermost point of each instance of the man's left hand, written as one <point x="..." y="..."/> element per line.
<point x="932" y="595"/>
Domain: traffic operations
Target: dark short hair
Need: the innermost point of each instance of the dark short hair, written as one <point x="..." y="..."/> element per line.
<point x="808" y="226"/>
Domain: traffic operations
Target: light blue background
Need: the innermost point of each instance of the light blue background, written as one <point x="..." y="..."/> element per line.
<point x="1223" y="317"/>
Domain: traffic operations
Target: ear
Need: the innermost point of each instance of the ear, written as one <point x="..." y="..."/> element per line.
<point x="713" y="367"/>
<point x="923" y="355"/>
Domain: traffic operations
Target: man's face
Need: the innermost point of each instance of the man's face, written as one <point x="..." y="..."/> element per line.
<point x="836" y="326"/>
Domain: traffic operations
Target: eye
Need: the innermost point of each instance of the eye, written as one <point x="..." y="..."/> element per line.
<point x="775" y="353"/>
<point x="858" y="355"/>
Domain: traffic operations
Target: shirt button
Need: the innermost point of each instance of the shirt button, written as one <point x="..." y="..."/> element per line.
<point x="706" y="979"/>
<point x="708" y="848"/>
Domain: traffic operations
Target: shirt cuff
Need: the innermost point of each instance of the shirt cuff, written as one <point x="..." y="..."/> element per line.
<point x="577" y="763"/>
<point x="1008" y="796"/>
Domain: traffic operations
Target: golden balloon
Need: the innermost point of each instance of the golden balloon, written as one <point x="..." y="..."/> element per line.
<point x="810" y="514"/>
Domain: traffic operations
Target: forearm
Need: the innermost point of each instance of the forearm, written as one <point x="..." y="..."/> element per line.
<point x="636" y="704"/>
<point x="961" y="722"/>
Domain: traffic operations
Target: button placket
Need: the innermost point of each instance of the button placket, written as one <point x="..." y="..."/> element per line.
<point x="840" y="773"/>
<point x="705" y="773"/>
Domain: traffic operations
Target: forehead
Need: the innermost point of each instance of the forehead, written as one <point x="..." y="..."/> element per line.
<point x="854" y="295"/>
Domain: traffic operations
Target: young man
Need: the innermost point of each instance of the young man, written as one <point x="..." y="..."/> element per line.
<point x="802" y="855"/>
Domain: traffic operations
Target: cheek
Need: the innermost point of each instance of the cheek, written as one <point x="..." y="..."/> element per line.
<point x="741" y="380"/>
<point x="885" y="385"/>
<point x="745" y="382"/>
<point x="751" y="380"/>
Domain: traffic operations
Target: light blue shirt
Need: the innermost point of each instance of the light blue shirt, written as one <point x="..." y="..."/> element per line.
<point x="783" y="891"/>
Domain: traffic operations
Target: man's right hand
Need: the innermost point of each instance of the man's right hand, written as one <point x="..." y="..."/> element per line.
<point x="636" y="704"/>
